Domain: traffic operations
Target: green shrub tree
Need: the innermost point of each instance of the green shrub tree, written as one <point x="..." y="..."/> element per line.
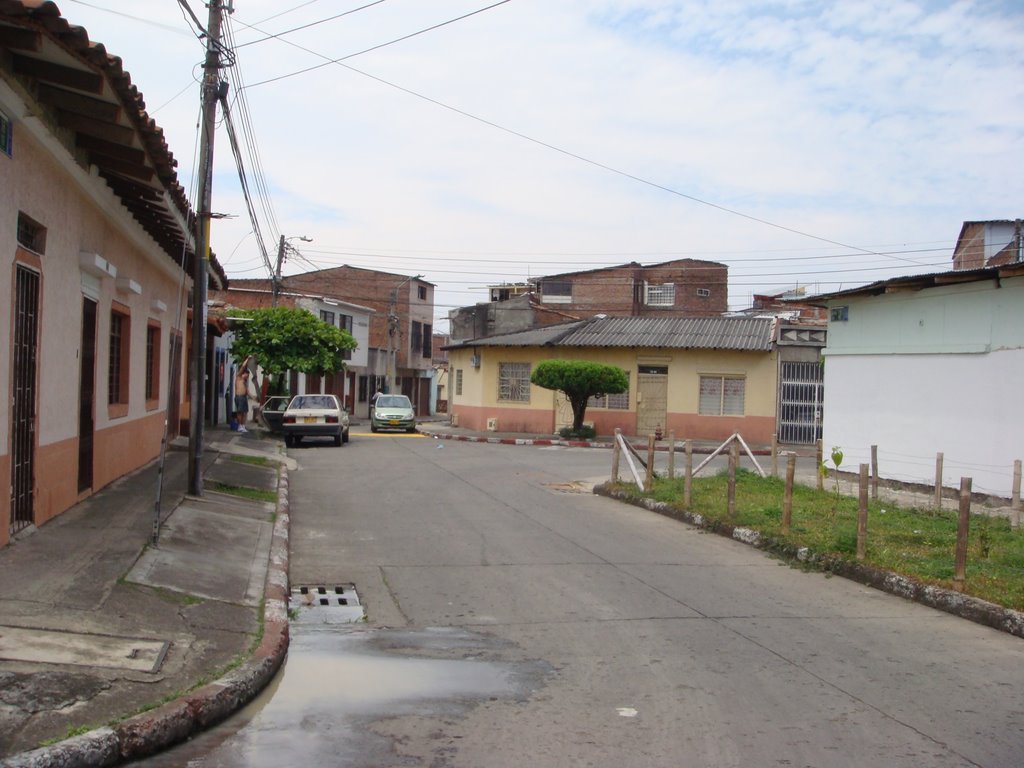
<point x="285" y="339"/>
<point x="579" y="380"/>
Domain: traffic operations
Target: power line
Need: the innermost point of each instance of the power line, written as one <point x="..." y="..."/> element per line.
<point x="552" y="147"/>
<point x="140" y="19"/>
<point x="328" y="61"/>
<point x="279" y="35"/>
<point x="290" y="10"/>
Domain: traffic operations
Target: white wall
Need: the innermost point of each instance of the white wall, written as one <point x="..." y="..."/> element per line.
<point x="912" y="406"/>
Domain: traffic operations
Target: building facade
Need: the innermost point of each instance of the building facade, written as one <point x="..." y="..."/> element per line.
<point x="400" y="333"/>
<point x="701" y="378"/>
<point x="918" y="365"/>
<point x="679" y="288"/>
<point x="96" y="247"/>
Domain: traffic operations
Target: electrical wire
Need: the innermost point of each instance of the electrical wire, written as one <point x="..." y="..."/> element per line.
<point x="328" y="61"/>
<point x="553" y="147"/>
<point x="237" y="151"/>
<point x="279" y="35"/>
<point x="150" y="22"/>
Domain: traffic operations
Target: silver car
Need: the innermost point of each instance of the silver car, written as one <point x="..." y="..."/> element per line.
<point x="393" y="412"/>
<point x="315" y="416"/>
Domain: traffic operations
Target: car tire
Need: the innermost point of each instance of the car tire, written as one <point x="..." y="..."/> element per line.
<point x="373" y="427"/>
<point x="289" y="440"/>
<point x="344" y="436"/>
<point x="337" y="439"/>
<point x="296" y="439"/>
<point x="410" y="430"/>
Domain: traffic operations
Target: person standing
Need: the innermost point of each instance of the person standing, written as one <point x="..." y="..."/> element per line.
<point x="242" y="395"/>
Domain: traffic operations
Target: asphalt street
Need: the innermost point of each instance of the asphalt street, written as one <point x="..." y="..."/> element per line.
<point x="513" y="618"/>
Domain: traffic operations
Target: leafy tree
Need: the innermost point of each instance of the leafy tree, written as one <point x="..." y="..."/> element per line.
<point x="579" y="380"/>
<point x="286" y="339"/>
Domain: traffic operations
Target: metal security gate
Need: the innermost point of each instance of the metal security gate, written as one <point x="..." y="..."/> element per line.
<point x="801" y="394"/>
<point x="23" y="418"/>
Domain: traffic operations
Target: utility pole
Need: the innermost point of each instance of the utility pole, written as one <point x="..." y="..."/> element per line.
<point x="389" y="373"/>
<point x="282" y="248"/>
<point x="211" y="93"/>
<point x="276" y="279"/>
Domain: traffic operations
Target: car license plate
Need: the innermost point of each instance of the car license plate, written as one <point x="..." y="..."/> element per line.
<point x="310" y="420"/>
<point x="394" y="422"/>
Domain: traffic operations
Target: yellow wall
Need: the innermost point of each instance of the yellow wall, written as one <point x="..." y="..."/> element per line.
<point x="479" y="399"/>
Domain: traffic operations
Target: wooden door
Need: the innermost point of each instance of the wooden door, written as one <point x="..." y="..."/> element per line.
<point x="87" y="395"/>
<point x="652" y="400"/>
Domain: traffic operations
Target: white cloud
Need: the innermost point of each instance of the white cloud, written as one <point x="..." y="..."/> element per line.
<point x="867" y="123"/>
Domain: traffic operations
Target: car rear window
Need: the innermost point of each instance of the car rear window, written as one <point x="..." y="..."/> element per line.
<point x="313" y="401"/>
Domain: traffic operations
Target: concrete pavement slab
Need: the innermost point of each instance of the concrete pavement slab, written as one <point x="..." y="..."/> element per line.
<point x="208" y="554"/>
<point x="46" y="647"/>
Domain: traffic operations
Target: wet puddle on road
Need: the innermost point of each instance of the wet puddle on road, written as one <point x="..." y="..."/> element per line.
<point x="340" y="678"/>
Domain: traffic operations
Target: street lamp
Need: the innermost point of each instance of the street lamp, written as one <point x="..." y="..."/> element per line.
<point x="389" y="373"/>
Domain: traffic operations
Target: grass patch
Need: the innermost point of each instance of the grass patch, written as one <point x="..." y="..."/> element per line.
<point x="68" y="734"/>
<point x="256" y="461"/>
<point x="253" y="494"/>
<point x="912" y="542"/>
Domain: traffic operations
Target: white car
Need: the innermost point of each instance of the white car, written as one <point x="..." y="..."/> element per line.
<point x="315" y="416"/>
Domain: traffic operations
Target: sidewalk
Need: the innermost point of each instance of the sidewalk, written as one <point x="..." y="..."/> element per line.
<point x="98" y="626"/>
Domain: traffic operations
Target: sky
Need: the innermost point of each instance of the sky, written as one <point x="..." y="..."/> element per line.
<point x="804" y="144"/>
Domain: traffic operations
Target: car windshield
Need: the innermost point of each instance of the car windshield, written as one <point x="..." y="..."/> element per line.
<point x="393" y="401"/>
<point x="304" y="402"/>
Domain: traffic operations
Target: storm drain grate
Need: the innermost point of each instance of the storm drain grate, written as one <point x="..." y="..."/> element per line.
<point x="327" y="596"/>
<point x="328" y="604"/>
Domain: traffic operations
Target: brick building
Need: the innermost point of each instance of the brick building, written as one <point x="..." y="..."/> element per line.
<point x="679" y="288"/>
<point x="988" y="244"/>
<point x="410" y="300"/>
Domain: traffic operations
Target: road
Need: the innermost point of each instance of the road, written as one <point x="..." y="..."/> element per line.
<point x="513" y="620"/>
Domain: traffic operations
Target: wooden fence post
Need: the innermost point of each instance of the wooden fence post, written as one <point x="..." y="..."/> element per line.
<point x="938" y="479"/>
<point x="1015" y="495"/>
<point x="862" y="514"/>
<point x="688" y="477"/>
<point x="650" y="464"/>
<point x="616" y="453"/>
<point x="734" y="458"/>
<point x="787" y="499"/>
<point x="817" y="470"/>
<point x="775" y="455"/>
<point x="874" y="472"/>
<point x="962" y="530"/>
<point x="671" y="455"/>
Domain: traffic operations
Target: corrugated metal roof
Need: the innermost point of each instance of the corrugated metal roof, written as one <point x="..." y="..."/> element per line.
<point x="748" y="334"/>
<point x="544" y="336"/>
<point x="736" y="333"/>
<point x="920" y="282"/>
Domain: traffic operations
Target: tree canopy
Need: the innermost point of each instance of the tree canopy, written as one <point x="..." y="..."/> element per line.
<point x="579" y="380"/>
<point x="287" y="339"/>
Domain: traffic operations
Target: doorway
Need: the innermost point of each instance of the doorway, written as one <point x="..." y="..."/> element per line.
<point x="87" y="395"/>
<point x="652" y="399"/>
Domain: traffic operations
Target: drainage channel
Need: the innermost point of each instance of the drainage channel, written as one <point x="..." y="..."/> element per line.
<point x="320" y="604"/>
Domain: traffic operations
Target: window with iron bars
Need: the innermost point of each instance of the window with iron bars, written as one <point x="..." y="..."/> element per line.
<point x="617" y="402"/>
<point x="514" y="382"/>
<point x="663" y="295"/>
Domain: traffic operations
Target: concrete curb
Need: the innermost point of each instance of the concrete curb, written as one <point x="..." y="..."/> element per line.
<point x="966" y="607"/>
<point x="561" y="442"/>
<point x="176" y="721"/>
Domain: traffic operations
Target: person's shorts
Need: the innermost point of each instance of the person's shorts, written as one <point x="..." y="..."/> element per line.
<point x="241" y="403"/>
